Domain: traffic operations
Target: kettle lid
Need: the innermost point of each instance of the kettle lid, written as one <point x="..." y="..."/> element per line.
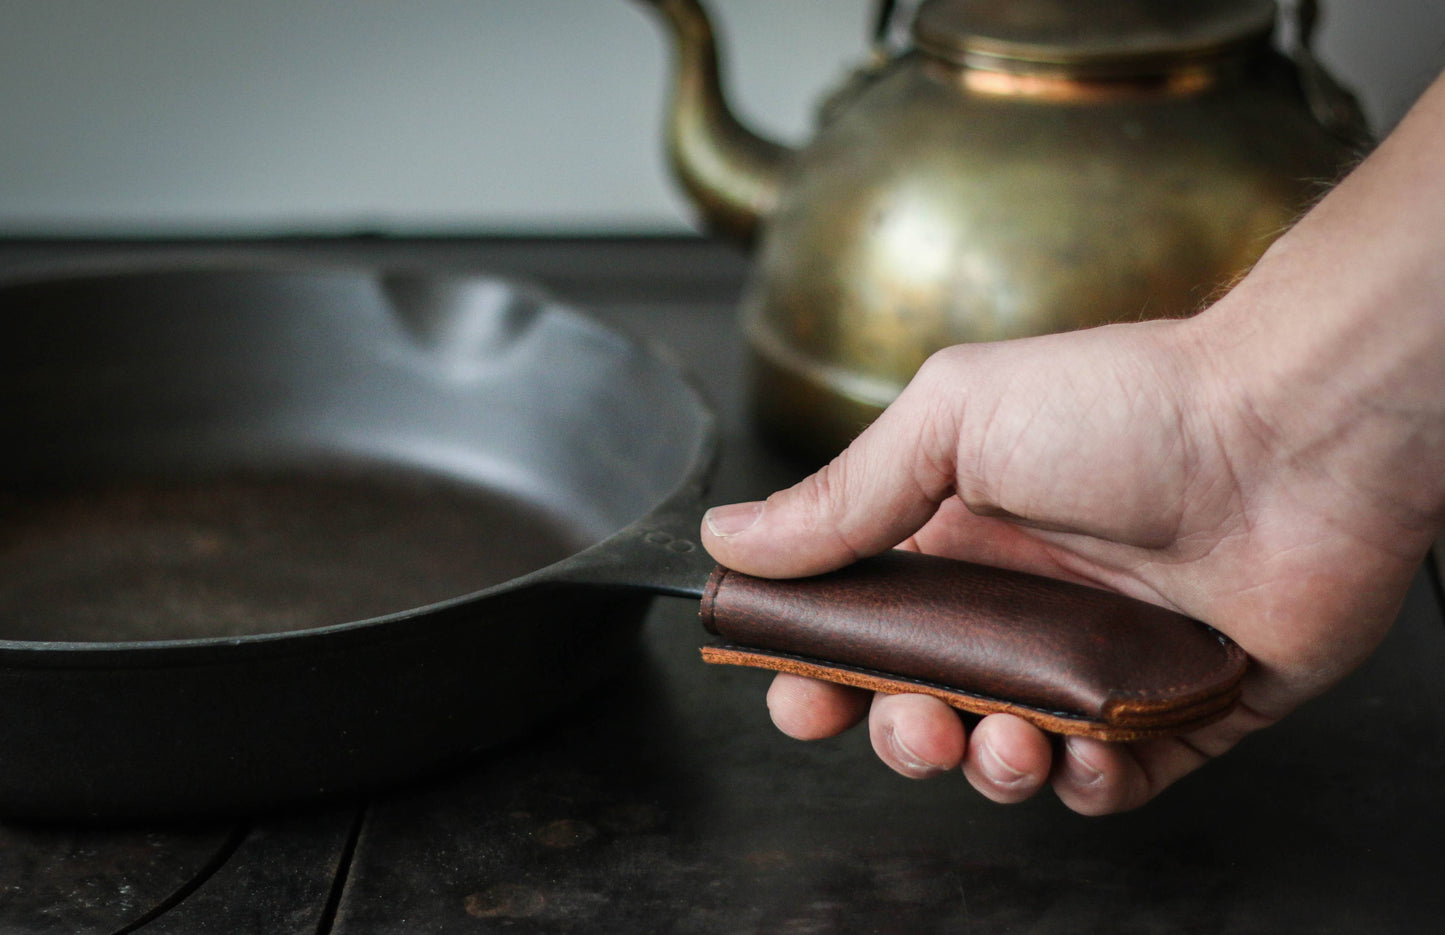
<point x="1088" y="37"/>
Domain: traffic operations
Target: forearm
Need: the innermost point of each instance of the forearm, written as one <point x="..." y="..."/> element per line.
<point x="1335" y="343"/>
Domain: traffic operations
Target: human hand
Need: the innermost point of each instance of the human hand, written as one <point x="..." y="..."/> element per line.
<point x="1102" y="457"/>
<point x="1272" y="467"/>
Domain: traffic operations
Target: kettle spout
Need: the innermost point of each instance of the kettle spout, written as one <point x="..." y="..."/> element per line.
<point x="731" y="174"/>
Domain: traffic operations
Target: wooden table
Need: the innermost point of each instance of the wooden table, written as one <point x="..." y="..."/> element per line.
<point x="665" y="802"/>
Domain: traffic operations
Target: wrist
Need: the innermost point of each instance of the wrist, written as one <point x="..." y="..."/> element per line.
<point x="1330" y="375"/>
<point x="1331" y="352"/>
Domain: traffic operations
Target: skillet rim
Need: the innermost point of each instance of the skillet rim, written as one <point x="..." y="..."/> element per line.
<point x="687" y="490"/>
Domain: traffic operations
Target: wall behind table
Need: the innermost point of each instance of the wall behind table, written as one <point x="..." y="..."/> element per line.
<point x="162" y="117"/>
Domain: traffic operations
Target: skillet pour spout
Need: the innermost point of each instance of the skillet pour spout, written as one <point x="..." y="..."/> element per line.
<point x="288" y="503"/>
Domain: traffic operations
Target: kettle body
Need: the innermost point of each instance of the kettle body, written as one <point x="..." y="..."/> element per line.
<point x="978" y="188"/>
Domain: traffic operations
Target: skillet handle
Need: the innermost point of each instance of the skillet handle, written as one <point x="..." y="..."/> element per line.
<point x="1066" y="657"/>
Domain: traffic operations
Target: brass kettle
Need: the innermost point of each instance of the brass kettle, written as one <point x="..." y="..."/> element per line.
<point x="1019" y="167"/>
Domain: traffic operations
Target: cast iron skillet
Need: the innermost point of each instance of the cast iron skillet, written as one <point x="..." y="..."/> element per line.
<point x="268" y="534"/>
<point x="272" y="534"/>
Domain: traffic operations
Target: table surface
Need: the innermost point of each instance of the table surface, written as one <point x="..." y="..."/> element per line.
<point x="665" y="802"/>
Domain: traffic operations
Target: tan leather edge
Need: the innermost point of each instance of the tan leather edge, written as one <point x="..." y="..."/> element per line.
<point x="709" y="598"/>
<point x="1185" y="719"/>
<point x="1182" y="702"/>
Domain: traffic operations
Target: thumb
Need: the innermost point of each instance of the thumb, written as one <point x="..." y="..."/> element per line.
<point x="877" y="493"/>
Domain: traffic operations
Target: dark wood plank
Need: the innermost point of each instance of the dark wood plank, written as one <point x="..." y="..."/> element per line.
<point x="278" y="881"/>
<point x="64" y="881"/>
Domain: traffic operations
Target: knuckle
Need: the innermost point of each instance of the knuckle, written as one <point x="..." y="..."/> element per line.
<point x="820" y="504"/>
<point x="818" y="496"/>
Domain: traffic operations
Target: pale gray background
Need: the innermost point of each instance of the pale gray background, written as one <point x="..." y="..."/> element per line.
<point x="437" y="116"/>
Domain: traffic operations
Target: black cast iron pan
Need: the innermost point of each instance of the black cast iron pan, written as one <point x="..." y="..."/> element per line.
<point x="274" y="533"/>
<point x="268" y="534"/>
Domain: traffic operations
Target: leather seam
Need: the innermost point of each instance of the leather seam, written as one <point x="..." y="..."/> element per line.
<point x="1232" y="654"/>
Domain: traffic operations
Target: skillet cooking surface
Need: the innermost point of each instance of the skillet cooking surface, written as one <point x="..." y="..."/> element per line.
<point x="258" y="552"/>
<point x="223" y="453"/>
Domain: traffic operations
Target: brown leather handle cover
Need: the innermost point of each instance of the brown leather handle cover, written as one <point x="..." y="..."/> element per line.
<point x="1069" y="658"/>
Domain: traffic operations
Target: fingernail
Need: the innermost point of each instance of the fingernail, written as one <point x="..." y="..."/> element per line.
<point x="996" y="770"/>
<point x="1080" y="771"/>
<point x="732" y="519"/>
<point x="910" y="760"/>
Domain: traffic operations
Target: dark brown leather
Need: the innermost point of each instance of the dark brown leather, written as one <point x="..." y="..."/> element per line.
<point x="1070" y="658"/>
